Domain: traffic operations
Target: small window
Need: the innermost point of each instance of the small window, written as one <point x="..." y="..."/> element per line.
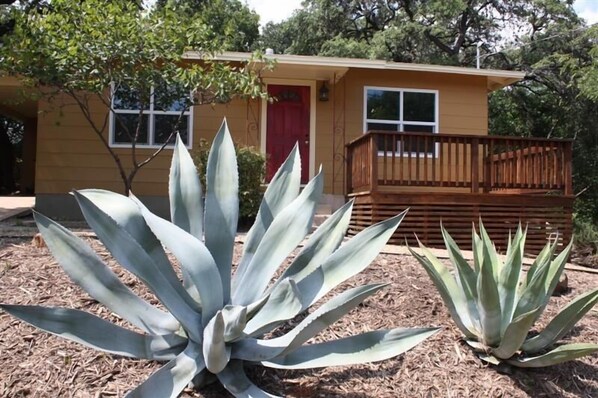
<point x="163" y="110"/>
<point x="402" y="110"/>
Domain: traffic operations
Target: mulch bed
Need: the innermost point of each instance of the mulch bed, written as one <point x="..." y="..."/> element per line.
<point x="36" y="364"/>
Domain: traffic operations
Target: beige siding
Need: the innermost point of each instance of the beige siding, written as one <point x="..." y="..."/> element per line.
<point x="70" y="156"/>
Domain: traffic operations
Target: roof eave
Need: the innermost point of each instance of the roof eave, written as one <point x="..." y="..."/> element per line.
<point x="496" y="78"/>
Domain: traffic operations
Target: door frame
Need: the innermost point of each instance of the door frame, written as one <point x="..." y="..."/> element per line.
<point x="312" y="117"/>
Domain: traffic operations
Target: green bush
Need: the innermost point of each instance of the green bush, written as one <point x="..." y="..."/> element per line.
<point x="585" y="233"/>
<point x="252" y="170"/>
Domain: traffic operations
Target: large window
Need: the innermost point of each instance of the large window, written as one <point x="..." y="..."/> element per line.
<point x="408" y="110"/>
<point x="164" y="110"/>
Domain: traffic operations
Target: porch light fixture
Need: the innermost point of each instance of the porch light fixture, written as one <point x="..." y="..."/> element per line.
<point x="324" y="92"/>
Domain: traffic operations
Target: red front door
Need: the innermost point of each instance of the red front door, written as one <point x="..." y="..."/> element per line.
<point x="288" y="123"/>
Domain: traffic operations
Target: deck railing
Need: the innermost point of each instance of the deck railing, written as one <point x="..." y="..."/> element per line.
<point x="494" y="164"/>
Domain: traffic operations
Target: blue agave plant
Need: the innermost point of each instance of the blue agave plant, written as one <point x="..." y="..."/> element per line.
<point x="214" y="324"/>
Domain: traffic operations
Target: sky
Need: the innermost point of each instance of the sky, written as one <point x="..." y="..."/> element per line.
<point x="278" y="10"/>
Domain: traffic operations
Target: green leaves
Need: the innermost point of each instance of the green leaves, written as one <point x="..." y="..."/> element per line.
<point x="495" y="306"/>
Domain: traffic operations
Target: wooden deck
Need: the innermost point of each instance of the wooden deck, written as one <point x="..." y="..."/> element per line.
<point x="458" y="179"/>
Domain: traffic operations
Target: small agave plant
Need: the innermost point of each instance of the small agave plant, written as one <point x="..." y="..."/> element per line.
<point x="215" y="324"/>
<point x="495" y="305"/>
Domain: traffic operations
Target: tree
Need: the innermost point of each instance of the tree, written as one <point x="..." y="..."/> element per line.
<point x="231" y="22"/>
<point x="438" y="31"/>
<point x="557" y="99"/>
<point x="95" y="50"/>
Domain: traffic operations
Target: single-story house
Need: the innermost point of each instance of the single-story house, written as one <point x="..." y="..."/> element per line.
<point x="390" y="135"/>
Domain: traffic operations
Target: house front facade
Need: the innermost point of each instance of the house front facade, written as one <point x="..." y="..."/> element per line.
<point x="383" y="132"/>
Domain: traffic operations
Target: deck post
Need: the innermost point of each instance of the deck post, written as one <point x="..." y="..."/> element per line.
<point x="475" y="165"/>
<point x="349" y="168"/>
<point x="374" y="163"/>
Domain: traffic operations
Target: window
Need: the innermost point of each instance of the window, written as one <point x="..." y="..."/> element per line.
<point x="393" y="109"/>
<point x="164" y="110"/>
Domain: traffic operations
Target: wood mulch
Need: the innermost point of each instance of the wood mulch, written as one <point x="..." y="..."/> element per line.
<point x="36" y="364"/>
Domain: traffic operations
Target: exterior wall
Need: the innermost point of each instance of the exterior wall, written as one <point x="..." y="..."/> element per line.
<point x="462" y="108"/>
<point x="462" y="100"/>
<point x="70" y="155"/>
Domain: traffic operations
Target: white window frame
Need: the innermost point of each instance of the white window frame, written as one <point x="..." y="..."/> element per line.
<point x="150" y="113"/>
<point x="401" y="122"/>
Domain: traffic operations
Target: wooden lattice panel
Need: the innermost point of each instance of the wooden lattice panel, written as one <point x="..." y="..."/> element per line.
<point x="545" y="217"/>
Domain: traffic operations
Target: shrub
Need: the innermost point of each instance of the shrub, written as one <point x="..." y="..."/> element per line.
<point x="213" y="324"/>
<point x="252" y="170"/>
<point x="585" y="233"/>
<point x="495" y="305"/>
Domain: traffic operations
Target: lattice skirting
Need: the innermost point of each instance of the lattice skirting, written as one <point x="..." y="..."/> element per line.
<point x="545" y="216"/>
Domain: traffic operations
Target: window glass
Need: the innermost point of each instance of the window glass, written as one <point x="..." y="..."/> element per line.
<point x="166" y="124"/>
<point x="383" y="126"/>
<point x="126" y="98"/>
<point x="417" y="144"/>
<point x="125" y="125"/>
<point x="399" y="110"/>
<point x="383" y="105"/>
<point x="170" y="99"/>
<point x="419" y="107"/>
<point x="167" y="111"/>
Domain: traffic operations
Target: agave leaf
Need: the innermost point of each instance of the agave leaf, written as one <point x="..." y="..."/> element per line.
<point x="488" y="302"/>
<point x="560" y="354"/>
<point x="350" y="259"/>
<point x="323" y="242"/>
<point x="515" y="334"/>
<point x="532" y="295"/>
<point x="234" y="379"/>
<point x="512" y="243"/>
<point x="555" y="270"/>
<point x="287" y="230"/>
<point x="125" y="212"/>
<point x="235" y="320"/>
<point x="194" y="257"/>
<point x="562" y="323"/>
<point x="254" y="308"/>
<point x="215" y="352"/>
<point x="466" y="273"/>
<point x="97" y="333"/>
<point x="283" y="304"/>
<point x="324" y="316"/>
<point x="478" y="250"/>
<point x="222" y="204"/>
<point x="367" y="347"/>
<point x="540" y="288"/>
<point x="542" y="259"/>
<point x="87" y="270"/>
<point x="490" y="253"/>
<point x="185" y="197"/>
<point x="173" y="377"/>
<point x="453" y="297"/>
<point x="467" y="276"/>
<point x="184" y="191"/>
<point x="509" y="279"/>
<point x="282" y="190"/>
<point x="135" y="259"/>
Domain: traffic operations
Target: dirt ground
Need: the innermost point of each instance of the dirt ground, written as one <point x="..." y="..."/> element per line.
<point x="36" y="364"/>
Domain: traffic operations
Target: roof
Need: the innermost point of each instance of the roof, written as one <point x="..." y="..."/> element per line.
<point x="321" y="68"/>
